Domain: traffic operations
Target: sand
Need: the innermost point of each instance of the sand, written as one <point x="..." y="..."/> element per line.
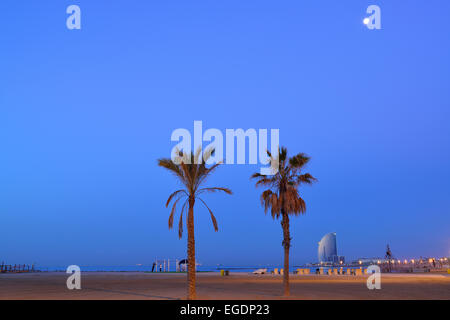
<point x="130" y="285"/>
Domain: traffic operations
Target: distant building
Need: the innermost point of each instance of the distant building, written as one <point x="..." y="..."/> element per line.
<point x="327" y="251"/>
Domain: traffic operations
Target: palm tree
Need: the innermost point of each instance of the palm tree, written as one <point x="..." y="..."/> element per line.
<point x="282" y="196"/>
<point x="192" y="175"/>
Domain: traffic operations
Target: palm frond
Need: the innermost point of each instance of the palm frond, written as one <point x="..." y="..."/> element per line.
<point x="172" y="167"/>
<point x="214" y="221"/>
<point x="305" y="178"/>
<point x="172" y="212"/>
<point x="257" y="175"/>
<point x="299" y="161"/>
<point x="180" y="226"/>
<point x="214" y="189"/>
<point x="267" y="181"/>
<point x="283" y="154"/>
<point x="173" y="195"/>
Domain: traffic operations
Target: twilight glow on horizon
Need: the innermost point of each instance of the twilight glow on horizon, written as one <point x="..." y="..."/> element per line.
<point x="85" y="115"/>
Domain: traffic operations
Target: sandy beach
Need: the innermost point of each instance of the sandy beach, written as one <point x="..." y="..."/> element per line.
<point x="130" y="285"/>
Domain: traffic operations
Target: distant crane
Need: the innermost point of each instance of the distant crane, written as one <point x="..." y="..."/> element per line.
<point x="389" y="257"/>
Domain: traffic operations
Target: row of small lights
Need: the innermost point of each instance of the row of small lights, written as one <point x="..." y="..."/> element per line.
<point x="405" y="261"/>
<point x="412" y="261"/>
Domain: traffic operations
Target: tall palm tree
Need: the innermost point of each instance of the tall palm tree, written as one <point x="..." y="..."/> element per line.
<point x="192" y="175"/>
<point x="282" y="196"/>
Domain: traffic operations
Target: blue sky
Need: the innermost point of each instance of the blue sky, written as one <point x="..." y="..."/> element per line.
<point x="85" y="114"/>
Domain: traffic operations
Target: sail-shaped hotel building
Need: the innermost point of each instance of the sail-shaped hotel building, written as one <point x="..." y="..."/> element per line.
<point x="327" y="251"/>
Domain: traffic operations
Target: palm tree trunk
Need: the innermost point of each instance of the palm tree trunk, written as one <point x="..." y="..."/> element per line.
<point x="286" y="245"/>
<point x="191" y="252"/>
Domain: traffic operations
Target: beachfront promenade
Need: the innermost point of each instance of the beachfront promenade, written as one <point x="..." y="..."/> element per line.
<point x="133" y="285"/>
